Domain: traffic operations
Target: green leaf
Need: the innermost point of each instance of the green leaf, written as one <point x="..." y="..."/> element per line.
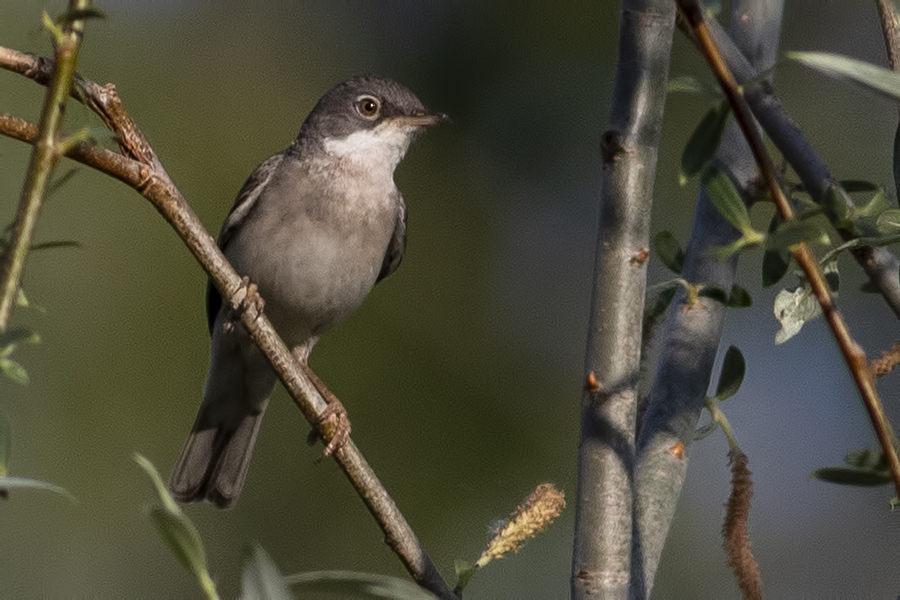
<point x="685" y="83"/>
<point x="732" y="376"/>
<point x="795" y="232"/>
<point x="56" y="244"/>
<point x="836" y="203"/>
<point x="349" y="584"/>
<point x="850" y="476"/>
<point x="261" y="579"/>
<point x="866" y="458"/>
<point x="8" y="483"/>
<point x="726" y="199"/>
<point x="776" y="262"/>
<point x="669" y="251"/>
<point x="832" y="276"/>
<point x="705" y="139"/>
<point x="14" y="371"/>
<point x="872" y="207"/>
<point x="661" y="302"/>
<point x="464" y="573"/>
<point x="176" y="530"/>
<point x="889" y="221"/>
<point x="871" y="77"/>
<point x="18" y="335"/>
<point x="858" y="185"/>
<point x="739" y="298"/>
<point x="90" y="12"/>
<point x="793" y="309"/>
<point x="714" y="292"/>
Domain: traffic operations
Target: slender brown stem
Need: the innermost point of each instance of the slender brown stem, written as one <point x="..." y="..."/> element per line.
<point x="141" y="169"/>
<point x="852" y="352"/>
<point x="44" y="157"/>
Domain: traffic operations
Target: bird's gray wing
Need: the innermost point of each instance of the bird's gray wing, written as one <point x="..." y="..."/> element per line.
<point x="397" y="245"/>
<point x="246" y="201"/>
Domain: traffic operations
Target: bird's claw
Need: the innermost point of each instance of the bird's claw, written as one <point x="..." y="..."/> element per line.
<point x="249" y="300"/>
<point x="336" y="424"/>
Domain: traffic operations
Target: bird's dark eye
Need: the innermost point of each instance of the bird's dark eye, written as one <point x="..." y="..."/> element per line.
<point x="368" y="106"/>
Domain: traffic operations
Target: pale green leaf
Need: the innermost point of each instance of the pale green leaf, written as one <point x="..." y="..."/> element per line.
<point x="871" y="77"/>
<point x="705" y="139"/>
<point x="8" y="483"/>
<point x="261" y="579"/>
<point x="174" y="527"/>
<point x="349" y="584"/>
<point x="732" y="376"/>
<point x="669" y="251"/>
<point x="793" y="309"/>
<point x="14" y="371"/>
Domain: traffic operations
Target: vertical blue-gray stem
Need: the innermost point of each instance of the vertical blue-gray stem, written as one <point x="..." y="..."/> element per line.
<point x="602" y="545"/>
<point x="693" y="333"/>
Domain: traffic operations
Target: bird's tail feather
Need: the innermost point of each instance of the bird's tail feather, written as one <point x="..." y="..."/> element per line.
<point x="215" y="460"/>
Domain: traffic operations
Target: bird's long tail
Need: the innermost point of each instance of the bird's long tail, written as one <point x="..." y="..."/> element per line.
<point x="215" y="459"/>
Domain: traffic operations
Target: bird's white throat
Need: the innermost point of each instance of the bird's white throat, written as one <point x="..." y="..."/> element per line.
<point x="380" y="148"/>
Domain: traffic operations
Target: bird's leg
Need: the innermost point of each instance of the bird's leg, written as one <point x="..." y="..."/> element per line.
<point x="250" y="300"/>
<point x="334" y="412"/>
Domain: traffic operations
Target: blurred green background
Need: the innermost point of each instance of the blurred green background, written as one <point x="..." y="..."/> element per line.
<point x="462" y="371"/>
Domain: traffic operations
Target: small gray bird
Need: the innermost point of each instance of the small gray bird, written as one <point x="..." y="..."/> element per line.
<point x="315" y="227"/>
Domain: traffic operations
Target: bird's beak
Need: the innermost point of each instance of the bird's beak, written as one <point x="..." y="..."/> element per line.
<point x="420" y="119"/>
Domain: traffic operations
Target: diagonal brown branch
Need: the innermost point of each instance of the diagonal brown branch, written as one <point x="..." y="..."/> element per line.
<point x="141" y="169"/>
<point x="852" y="352"/>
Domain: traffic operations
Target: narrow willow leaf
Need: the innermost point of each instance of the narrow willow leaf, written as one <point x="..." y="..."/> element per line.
<point x="871" y="77"/>
<point x="739" y="298"/>
<point x="726" y="199"/>
<point x="669" y="251"/>
<point x="714" y="292"/>
<point x="8" y="483"/>
<point x="56" y="244"/>
<point x="685" y="83"/>
<point x="832" y="276"/>
<point x="18" y="335"/>
<point x="732" y="376"/>
<point x="464" y="573"/>
<point x="261" y="579"/>
<point x="14" y="371"/>
<point x="661" y="302"/>
<point x="866" y="458"/>
<point x="705" y="139"/>
<point x="858" y="185"/>
<point x="174" y="527"/>
<point x="793" y="309"/>
<point x="874" y="206"/>
<point x="889" y="221"/>
<point x="850" y="476"/>
<point x="795" y="232"/>
<point x="348" y="584"/>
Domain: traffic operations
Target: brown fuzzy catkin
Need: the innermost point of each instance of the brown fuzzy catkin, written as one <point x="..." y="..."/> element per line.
<point x="736" y="539"/>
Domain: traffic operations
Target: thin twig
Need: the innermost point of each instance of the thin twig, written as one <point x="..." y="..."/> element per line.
<point x="141" y="169"/>
<point x="853" y="354"/>
<point x="44" y="156"/>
